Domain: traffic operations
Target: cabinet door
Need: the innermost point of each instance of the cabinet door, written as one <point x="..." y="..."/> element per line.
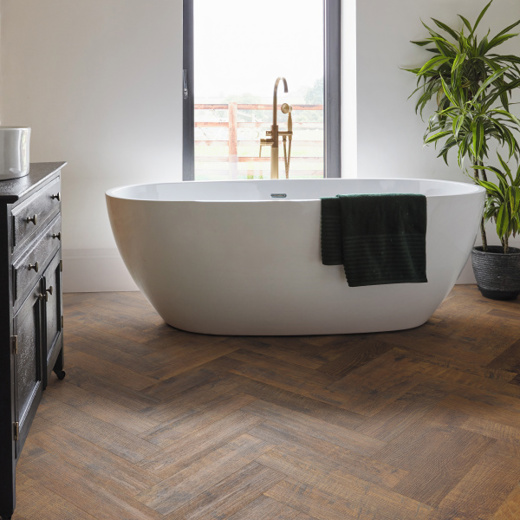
<point x="28" y="365"/>
<point x="52" y="315"/>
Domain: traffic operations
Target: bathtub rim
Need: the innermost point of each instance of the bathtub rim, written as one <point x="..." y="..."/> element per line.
<point x="118" y="192"/>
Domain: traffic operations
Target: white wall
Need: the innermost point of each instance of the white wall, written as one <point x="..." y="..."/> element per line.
<point x="389" y="132"/>
<point x="99" y="82"/>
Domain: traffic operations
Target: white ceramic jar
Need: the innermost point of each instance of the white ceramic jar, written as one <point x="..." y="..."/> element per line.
<point x="14" y="151"/>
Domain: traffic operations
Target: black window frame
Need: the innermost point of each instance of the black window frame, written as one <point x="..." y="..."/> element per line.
<point x="331" y="87"/>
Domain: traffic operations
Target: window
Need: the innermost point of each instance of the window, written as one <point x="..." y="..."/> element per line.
<point x="234" y="51"/>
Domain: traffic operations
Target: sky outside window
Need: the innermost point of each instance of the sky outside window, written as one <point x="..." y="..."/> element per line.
<point x="242" y="46"/>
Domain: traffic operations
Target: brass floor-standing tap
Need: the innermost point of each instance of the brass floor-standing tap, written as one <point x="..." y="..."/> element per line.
<point x="273" y="136"/>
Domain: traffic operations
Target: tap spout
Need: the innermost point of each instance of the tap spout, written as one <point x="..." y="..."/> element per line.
<point x="275" y="96"/>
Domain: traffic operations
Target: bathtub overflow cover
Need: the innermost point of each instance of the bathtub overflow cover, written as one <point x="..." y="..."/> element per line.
<point x="278" y="195"/>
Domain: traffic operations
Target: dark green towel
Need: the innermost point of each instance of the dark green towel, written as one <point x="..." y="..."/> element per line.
<point x="379" y="239"/>
<point x="331" y="237"/>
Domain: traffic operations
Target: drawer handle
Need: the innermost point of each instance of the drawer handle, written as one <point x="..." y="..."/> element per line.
<point x="32" y="219"/>
<point x="45" y="295"/>
<point x="34" y="266"/>
<point x="56" y="196"/>
<point x="56" y="235"/>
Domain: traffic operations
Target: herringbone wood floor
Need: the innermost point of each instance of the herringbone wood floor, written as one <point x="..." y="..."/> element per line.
<point x="154" y="423"/>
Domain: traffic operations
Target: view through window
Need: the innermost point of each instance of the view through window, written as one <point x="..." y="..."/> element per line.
<point x="240" y="48"/>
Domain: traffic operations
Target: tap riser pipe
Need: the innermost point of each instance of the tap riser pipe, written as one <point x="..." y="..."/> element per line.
<point x="274" y="162"/>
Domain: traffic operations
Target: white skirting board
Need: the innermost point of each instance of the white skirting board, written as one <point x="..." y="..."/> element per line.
<point x="466" y="275"/>
<point x="95" y="270"/>
<point x="103" y="270"/>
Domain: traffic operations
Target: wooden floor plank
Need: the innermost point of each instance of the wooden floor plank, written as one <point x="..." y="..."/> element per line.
<point x="264" y="508"/>
<point x="230" y="495"/>
<point x="202" y="416"/>
<point x="120" y="442"/>
<point x="285" y="375"/>
<point x="104" y="409"/>
<point x="297" y="422"/>
<point x="31" y="494"/>
<point x="105" y="387"/>
<point x="336" y="457"/>
<point x="380" y="382"/>
<point x="403" y="413"/>
<point x="435" y="469"/>
<point x="194" y="399"/>
<point x="485" y="488"/>
<point x="363" y="505"/>
<point x="132" y="379"/>
<point x="83" y="488"/>
<point x="299" y="350"/>
<point x="358" y="350"/>
<point x="118" y="473"/>
<point x="336" y="481"/>
<point x="155" y="423"/>
<point x="298" y="403"/>
<point x="508" y="359"/>
<point x="186" y="451"/>
<point x="184" y="486"/>
<point x="510" y="507"/>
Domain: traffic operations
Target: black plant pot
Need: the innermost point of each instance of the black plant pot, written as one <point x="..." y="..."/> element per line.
<point x="497" y="273"/>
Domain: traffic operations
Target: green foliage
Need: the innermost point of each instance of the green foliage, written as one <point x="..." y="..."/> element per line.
<point x="503" y="201"/>
<point x="464" y="64"/>
<point x="472" y="86"/>
<point x="469" y="125"/>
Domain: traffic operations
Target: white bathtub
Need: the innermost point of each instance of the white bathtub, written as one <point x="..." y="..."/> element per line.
<point x="228" y="258"/>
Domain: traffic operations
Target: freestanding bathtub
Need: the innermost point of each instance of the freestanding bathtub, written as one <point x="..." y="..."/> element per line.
<point x="243" y="257"/>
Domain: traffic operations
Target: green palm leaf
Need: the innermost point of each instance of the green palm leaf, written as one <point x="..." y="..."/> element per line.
<point x="466" y="23"/>
<point x="480" y="16"/>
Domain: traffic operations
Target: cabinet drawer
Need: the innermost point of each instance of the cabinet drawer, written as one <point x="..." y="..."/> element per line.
<point x="29" y="268"/>
<point x="34" y="213"/>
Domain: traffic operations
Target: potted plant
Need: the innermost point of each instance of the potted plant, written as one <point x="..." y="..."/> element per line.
<point x="497" y="269"/>
<point x="471" y="85"/>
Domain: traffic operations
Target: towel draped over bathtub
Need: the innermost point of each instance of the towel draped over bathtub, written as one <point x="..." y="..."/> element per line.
<point x="378" y="238"/>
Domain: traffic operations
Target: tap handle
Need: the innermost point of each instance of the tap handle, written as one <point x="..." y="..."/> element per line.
<point x="263" y="142"/>
<point x="287" y="109"/>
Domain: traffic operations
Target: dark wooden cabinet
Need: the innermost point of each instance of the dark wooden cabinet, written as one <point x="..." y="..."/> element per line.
<point x="27" y="360"/>
<point x="31" y="340"/>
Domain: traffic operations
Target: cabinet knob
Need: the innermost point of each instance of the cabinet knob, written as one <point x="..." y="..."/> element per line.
<point x="56" y="235"/>
<point x="49" y="290"/>
<point x="44" y="296"/>
<point x="56" y="196"/>
<point x="32" y="219"/>
<point x="34" y="266"/>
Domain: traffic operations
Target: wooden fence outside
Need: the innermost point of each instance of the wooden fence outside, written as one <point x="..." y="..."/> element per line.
<point x="227" y="141"/>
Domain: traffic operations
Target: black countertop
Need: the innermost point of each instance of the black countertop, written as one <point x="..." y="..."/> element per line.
<point x="12" y="190"/>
